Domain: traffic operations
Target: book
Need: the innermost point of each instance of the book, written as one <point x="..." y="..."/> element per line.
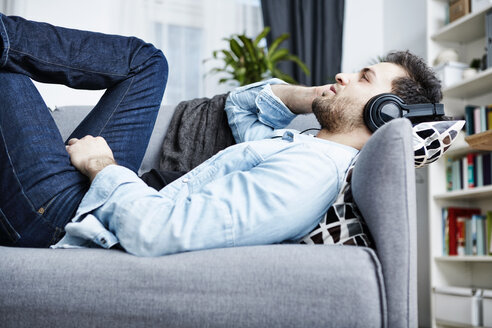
<point x="461" y="173"/>
<point x="483" y="119"/>
<point x="469" y="237"/>
<point x="464" y="173"/>
<point x="461" y="234"/>
<point x="489" y="117"/>
<point x="487" y="170"/>
<point x="480" y="221"/>
<point x="489" y="231"/>
<point x="453" y="214"/>
<point x="456" y="175"/>
<point x="470" y="129"/>
<point x="470" y="179"/>
<point x="477" y="126"/>
<point x="445" y="233"/>
<point x="478" y="170"/>
<point x="449" y="174"/>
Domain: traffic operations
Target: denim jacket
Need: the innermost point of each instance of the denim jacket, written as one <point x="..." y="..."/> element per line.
<point x="273" y="186"/>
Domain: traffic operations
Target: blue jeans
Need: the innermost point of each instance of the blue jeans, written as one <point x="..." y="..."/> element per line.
<point x="39" y="188"/>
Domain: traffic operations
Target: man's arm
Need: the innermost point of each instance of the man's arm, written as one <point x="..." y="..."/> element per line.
<point x="255" y="110"/>
<point x="298" y="98"/>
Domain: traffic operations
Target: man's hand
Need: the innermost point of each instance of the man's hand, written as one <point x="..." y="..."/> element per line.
<point x="90" y="155"/>
<point x="299" y="99"/>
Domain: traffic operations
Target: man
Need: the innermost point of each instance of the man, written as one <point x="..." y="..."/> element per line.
<point x="271" y="187"/>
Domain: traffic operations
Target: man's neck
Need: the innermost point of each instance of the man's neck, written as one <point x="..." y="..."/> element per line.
<point x="355" y="139"/>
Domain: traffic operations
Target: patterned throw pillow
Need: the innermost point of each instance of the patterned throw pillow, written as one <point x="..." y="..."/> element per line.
<point x="432" y="139"/>
<point x="343" y="223"/>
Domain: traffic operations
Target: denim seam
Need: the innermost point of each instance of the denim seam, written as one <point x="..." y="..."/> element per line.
<point x="65" y="66"/>
<point x="6" y="42"/>
<point x="114" y="109"/>
<point x="15" y="172"/>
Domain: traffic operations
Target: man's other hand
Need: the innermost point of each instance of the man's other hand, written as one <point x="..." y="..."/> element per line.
<point x="90" y="155"/>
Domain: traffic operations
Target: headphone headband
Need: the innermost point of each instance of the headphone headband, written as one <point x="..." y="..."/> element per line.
<point x="384" y="107"/>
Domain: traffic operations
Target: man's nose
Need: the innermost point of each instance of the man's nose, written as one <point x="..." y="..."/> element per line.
<point x="342" y="78"/>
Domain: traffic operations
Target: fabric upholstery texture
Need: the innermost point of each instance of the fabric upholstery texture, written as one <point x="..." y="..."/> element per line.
<point x="262" y="286"/>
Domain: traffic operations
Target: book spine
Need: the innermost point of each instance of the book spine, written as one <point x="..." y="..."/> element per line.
<point x="464" y="172"/>
<point x="460" y="235"/>
<point x="479" y="170"/>
<point x="489" y="117"/>
<point x="487" y="174"/>
<point x="474" y="234"/>
<point x="483" y="119"/>
<point x="469" y="119"/>
<point x="445" y="240"/>
<point x="456" y="175"/>
<point x="452" y="235"/>
<point x="449" y="174"/>
<point x="477" y="126"/>
<point x="470" y="181"/>
<point x="489" y="232"/>
<point x="469" y="237"/>
<point x="480" y="231"/>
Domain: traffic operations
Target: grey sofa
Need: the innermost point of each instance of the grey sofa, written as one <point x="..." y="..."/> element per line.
<point x="262" y="286"/>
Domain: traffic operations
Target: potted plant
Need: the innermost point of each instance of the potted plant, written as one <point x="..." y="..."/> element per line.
<point x="246" y="62"/>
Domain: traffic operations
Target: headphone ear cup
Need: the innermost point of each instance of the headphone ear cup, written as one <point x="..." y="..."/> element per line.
<point x="377" y="108"/>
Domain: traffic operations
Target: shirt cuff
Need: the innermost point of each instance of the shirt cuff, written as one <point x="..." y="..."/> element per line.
<point x="102" y="188"/>
<point x="271" y="110"/>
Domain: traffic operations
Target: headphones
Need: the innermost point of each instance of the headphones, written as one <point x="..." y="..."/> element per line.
<point x="387" y="106"/>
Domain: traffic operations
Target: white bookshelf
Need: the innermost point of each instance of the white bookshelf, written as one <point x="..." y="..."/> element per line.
<point x="467" y="36"/>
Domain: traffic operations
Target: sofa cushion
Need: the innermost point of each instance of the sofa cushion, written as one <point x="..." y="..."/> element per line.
<point x="261" y="286"/>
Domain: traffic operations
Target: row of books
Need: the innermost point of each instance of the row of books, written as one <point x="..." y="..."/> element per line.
<point x="466" y="231"/>
<point x="478" y="119"/>
<point x="470" y="171"/>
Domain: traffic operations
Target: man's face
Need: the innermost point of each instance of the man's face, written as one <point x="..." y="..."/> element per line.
<point x="340" y="108"/>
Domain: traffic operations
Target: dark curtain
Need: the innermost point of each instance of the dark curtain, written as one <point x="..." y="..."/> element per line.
<point x="315" y="28"/>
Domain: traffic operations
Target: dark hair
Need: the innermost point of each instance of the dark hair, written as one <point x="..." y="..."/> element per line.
<point x="421" y="85"/>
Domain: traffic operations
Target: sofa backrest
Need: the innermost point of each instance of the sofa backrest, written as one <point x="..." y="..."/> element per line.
<point x="383" y="186"/>
<point x="68" y="117"/>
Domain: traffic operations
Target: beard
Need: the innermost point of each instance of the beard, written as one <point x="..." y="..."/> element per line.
<point x="338" y="115"/>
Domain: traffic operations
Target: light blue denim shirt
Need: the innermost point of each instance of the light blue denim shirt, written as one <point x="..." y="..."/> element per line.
<point x="273" y="186"/>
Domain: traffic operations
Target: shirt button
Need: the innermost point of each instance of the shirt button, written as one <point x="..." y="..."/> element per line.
<point x="185" y="180"/>
<point x="103" y="241"/>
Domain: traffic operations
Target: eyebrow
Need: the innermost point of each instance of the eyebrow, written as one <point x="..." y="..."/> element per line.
<point x="368" y="71"/>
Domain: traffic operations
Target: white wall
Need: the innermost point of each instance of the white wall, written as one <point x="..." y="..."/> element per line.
<point x="362" y="34"/>
<point x="372" y="28"/>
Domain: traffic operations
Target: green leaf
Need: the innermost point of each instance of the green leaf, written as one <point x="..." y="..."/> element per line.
<point x="229" y="59"/>
<point x="236" y="48"/>
<point x="279" y="55"/>
<point x="277" y="42"/>
<point x="260" y="36"/>
<point x="249" y="46"/>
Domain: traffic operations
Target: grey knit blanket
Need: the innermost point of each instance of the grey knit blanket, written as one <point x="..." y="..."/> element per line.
<point x="198" y="130"/>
